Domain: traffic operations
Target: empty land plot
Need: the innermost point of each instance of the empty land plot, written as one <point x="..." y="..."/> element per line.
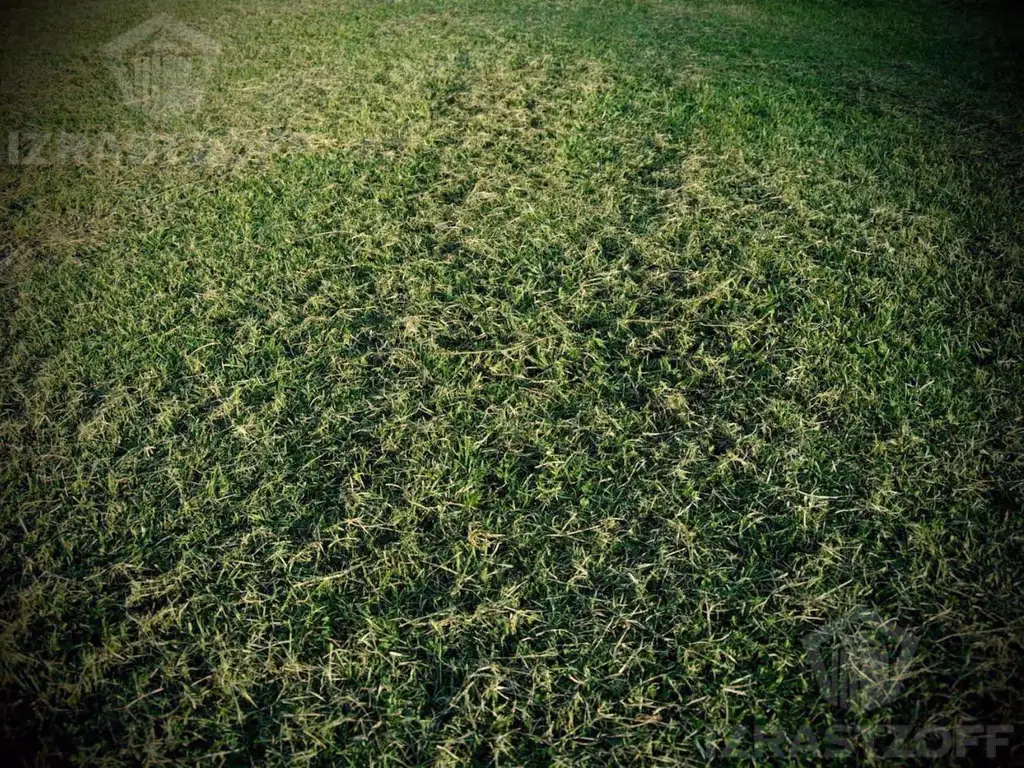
<point x="510" y="383"/>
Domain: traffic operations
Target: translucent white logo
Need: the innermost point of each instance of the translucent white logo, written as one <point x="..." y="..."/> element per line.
<point x="162" y="65"/>
<point x="862" y="661"/>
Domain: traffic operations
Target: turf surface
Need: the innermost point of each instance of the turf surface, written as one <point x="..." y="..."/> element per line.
<point x="521" y="383"/>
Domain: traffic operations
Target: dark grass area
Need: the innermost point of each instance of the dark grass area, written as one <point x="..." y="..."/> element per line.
<point x="513" y="383"/>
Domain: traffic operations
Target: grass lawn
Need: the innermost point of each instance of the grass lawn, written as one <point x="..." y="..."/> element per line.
<point x="505" y="383"/>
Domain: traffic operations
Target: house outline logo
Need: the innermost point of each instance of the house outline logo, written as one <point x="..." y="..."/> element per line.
<point x="162" y="65"/>
<point x="862" y="661"/>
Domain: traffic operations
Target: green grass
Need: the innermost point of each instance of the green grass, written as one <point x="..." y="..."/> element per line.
<point x="565" y="368"/>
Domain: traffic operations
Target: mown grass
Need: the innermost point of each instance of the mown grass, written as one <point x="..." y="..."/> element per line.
<point x="572" y="365"/>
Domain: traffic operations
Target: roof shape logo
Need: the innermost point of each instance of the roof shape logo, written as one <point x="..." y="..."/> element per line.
<point x="861" y="661"/>
<point x="162" y="65"/>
